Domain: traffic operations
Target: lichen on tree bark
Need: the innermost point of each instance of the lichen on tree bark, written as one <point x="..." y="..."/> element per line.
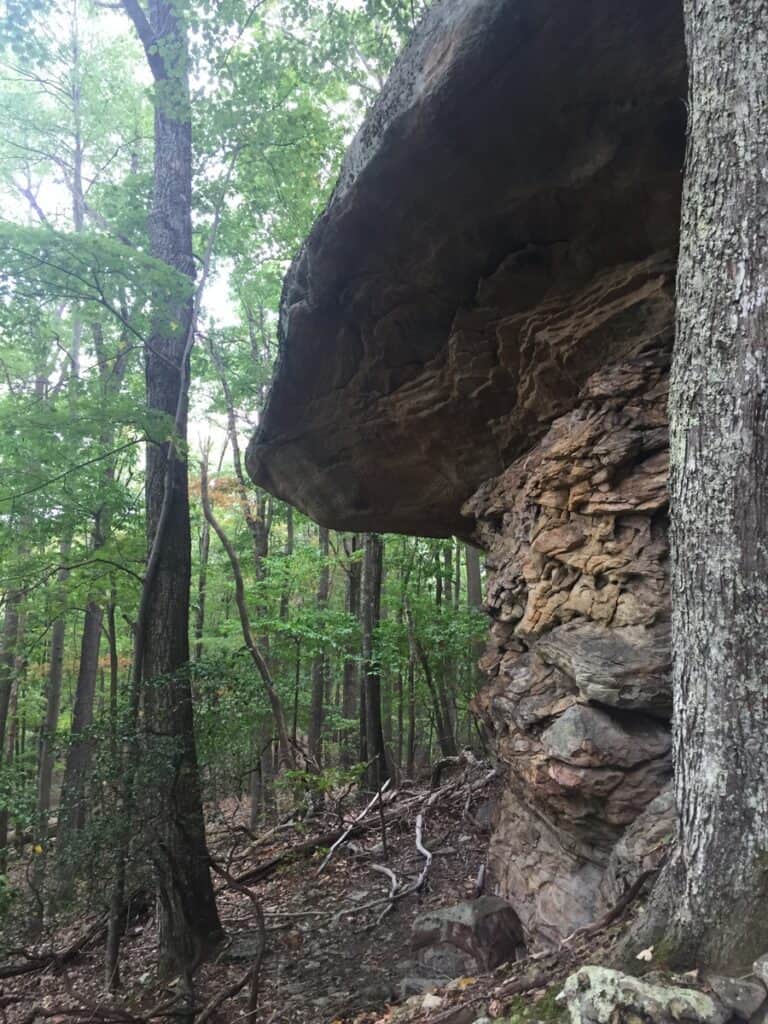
<point x="710" y="901"/>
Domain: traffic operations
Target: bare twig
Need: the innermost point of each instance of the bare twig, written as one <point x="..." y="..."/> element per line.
<point x="251" y="976"/>
<point x="393" y="886"/>
<point x="423" y="851"/>
<point x="359" y="818"/>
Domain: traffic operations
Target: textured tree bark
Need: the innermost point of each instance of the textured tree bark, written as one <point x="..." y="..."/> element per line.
<point x="474" y="581"/>
<point x="716" y="889"/>
<point x="189" y="923"/>
<point x="375" y="752"/>
<point x="320" y="663"/>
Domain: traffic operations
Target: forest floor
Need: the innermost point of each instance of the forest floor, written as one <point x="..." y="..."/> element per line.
<point x="335" y="947"/>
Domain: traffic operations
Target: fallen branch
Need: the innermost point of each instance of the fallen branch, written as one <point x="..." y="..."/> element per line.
<point x="369" y="807"/>
<point x="423" y="851"/>
<point x="251" y="976"/>
<point x="466" y="758"/>
<point x="615" y="912"/>
<point x="309" y="846"/>
<point x="393" y="886"/>
<point x="35" y="963"/>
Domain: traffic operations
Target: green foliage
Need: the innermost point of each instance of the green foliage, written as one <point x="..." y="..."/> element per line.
<point x="277" y="92"/>
<point x="545" y="1010"/>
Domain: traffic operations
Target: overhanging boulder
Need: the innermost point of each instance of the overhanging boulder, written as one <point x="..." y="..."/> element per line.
<point x="475" y="339"/>
<point x="500" y="229"/>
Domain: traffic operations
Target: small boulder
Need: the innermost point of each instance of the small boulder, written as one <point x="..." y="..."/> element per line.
<point x="742" y="997"/>
<point x="431" y="1002"/>
<point x="597" y="995"/>
<point x="476" y="934"/>
<point x="414" y="985"/>
<point x="760" y="969"/>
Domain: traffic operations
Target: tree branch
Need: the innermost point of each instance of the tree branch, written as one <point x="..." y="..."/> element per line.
<point x="144" y="31"/>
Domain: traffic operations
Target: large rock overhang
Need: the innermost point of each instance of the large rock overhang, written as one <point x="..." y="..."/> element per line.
<point x="505" y="221"/>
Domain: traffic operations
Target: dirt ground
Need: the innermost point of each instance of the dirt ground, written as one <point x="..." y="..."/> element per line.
<point x="337" y="949"/>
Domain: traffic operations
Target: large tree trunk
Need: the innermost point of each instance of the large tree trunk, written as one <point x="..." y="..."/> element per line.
<point x="189" y="923"/>
<point x="718" y="884"/>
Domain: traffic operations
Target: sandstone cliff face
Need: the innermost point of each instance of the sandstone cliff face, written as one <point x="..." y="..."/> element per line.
<point x="579" y="694"/>
<point x="487" y="303"/>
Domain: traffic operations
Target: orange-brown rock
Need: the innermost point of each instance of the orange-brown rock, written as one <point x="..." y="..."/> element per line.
<point x="576" y="534"/>
<point x="474" y="339"/>
<point x="493" y="239"/>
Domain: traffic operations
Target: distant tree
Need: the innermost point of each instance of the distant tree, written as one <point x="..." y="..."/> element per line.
<point x="374" y="752"/>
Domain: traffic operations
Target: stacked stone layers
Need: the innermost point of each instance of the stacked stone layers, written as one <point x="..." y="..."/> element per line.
<point x="579" y="693"/>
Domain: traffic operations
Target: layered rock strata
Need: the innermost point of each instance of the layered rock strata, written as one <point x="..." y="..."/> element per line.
<point x="489" y="297"/>
<point x="579" y="693"/>
<point x="520" y="151"/>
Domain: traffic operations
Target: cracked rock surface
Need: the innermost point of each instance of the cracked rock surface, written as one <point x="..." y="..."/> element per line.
<point x="475" y="339"/>
<point x="579" y="691"/>
<point x="496" y="235"/>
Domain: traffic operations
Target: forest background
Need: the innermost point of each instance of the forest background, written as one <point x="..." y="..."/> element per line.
<point x="276" y="92"/>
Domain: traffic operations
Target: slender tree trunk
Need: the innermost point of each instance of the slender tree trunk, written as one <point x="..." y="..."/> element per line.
<point x="474" y="580"/>
<point x="717" y="886"/>
<point x="444" y="733"/>
<point x="378" y="770"/>
<point x="457" y="586"/>
<point x="296" y="694"/>
<point x="410" y="765"/>
<point x="285" y="595"/>
<point x="320" y="663"/>
<point x="51" y="717"/>
<point x="202" y="583"/>
<point x="351" y="680"/>
<point x="9" y="664"/>
<point x="474" y="600"/>
<point x="11" y="667"/>
<point x="286" y="751"/>
<point x="73" y="792"/>
<point x="11" y="627"/>
<point x="114" y="676"/>
<point x="255" y="519"/>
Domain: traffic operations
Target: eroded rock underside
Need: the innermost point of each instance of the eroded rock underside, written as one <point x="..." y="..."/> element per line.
<point x="475" y="339"/>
